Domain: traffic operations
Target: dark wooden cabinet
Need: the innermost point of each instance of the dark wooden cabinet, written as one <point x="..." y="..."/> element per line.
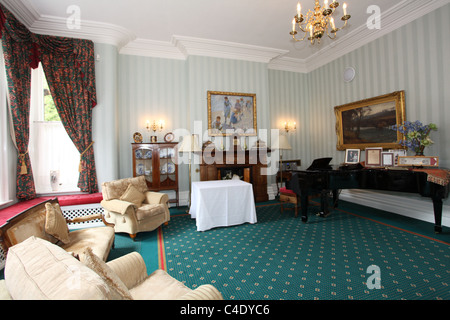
<point x="247" y="164"/>
<point x="157" y="162"/>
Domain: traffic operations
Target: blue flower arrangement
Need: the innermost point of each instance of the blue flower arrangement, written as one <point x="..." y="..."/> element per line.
<point x="416" y="135"/>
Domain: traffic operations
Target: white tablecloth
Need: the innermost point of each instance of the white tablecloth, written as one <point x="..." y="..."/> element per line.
<point x="222" y="203"/>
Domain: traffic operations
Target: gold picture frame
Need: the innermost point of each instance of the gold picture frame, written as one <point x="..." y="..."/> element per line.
<point x="366" y="123"/>
<point x="231" y="113"/>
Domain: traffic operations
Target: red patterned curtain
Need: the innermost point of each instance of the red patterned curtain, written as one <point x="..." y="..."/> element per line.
<point x="70" y="70"/>
<point x="69" y="67"/>
<point x="20" y="56"/>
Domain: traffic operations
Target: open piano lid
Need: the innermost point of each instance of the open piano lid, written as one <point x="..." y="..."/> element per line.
<point x="321" y="164"/>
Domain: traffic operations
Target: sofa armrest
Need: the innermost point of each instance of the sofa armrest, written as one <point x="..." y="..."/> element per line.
<point x="4" y="293"/>
<point x="116" y="205"/>
<point x="204" y="292"/>
<point x="156" y="197"/>
<point x="129" y="268"/>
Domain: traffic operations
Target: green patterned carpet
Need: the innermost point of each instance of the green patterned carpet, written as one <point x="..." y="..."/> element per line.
<point x="326" y="259"/>
<point x="282" y="258"/>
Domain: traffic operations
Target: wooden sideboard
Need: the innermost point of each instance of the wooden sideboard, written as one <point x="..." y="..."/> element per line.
<point x="247" y="164"/>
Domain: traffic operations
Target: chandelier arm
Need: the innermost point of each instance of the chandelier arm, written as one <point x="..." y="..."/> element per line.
<point x="300" y="27"/>
<point x="298" y="40"/>
<point x="339" y="29"/>
<point x="331" y="37"/>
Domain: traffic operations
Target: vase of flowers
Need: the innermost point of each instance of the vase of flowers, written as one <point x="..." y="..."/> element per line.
<point x="416" y="135"/>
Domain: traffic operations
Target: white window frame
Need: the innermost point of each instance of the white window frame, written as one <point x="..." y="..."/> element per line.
<point x="37" y="116"/>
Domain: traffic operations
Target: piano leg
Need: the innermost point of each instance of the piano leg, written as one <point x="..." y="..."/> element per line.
<point x="437" y="207"/>
<point x="335" y="198"/>
<point x="324" y="210"/>
<point x="304" y="203"/>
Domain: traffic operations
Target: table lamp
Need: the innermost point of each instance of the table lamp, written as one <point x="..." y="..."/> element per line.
<point x="281" y="143"/>
<point x="189" y="144"/>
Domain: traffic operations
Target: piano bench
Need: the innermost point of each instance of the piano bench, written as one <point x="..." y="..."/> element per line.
<point x="288" y="196"/>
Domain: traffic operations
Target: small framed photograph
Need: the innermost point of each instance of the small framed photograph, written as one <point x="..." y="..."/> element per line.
<point x="352" y="155"/>
<point x="398" y="153"/>
<point x="373" y="157"/>
<point x="387" y="159"/>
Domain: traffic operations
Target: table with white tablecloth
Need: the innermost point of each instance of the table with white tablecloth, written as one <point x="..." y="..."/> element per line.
<point x="222" y="203"/>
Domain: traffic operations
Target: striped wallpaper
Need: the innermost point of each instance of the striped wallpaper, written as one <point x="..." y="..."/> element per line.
<point x="413" y="58"/>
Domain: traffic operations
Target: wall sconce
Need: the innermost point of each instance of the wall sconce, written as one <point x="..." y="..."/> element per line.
<point x="155" y="126"/>
<point x="290" y="127"/>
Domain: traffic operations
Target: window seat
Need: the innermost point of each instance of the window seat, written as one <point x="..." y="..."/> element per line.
<point x="64" y="201"/>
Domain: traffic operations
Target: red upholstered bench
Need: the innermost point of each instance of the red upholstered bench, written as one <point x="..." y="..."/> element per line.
<point x="80" y="199"/>
<point x="288" y="196"/>
<point x="64" y="201"/>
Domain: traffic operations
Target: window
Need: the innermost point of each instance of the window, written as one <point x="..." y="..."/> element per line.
<point x="53" y="155"/>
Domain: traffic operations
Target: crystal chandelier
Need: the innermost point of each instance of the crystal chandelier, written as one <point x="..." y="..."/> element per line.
<point x="319" y="22"/>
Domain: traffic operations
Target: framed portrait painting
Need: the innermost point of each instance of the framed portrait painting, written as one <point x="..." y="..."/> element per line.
<point x="367" y="123"/>
<point x="231" y="114"/>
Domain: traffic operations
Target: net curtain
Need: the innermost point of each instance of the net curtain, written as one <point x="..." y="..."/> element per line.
<point x="69" y="67"/>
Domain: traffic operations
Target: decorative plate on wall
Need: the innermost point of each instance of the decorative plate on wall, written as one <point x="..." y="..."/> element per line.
<point x="169" y="137"/>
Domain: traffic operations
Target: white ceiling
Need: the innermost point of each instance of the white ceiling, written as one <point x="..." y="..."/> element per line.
<point x="256" y="30"/>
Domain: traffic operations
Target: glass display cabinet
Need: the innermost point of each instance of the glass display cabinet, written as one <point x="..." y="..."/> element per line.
<point x="156" y="161"/>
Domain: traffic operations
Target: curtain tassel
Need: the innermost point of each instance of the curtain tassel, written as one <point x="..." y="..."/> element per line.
<point x="80" y="167"/>
<point x="23" y="167"/>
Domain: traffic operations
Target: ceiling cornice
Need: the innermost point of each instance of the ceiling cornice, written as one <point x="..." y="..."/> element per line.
<point x="392" y="19"/>
<point x="152" y="48"/>
<point x="228" y="50"/>
<point x="180" y="47"/>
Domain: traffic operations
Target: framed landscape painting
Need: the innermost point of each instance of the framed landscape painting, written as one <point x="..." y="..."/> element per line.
<point x="366" y="123"/>
<point x="231" y="113"/>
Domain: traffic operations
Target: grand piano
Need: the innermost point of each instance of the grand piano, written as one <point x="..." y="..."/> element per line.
<point x="321" y="178"/>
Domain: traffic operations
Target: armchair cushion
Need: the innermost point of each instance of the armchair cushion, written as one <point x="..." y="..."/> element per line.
<point x="133" y="195"/>
<point x="117" y="288"/>
<point x="99" y="239"/>
<point x="115" y="189"/>
<point x="55" y="223"/>
<point x="149" y="210"/>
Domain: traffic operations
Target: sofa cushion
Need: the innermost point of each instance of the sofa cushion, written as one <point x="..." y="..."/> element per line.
<point x="37" y="269"/>
<point x="118" y="289"/>
<point x="133" y="195"/>
<point x="149" y="210"/>
<point x="55" y="223"/>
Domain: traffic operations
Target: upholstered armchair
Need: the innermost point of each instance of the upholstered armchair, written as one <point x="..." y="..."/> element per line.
<point x="132" y="208"/>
